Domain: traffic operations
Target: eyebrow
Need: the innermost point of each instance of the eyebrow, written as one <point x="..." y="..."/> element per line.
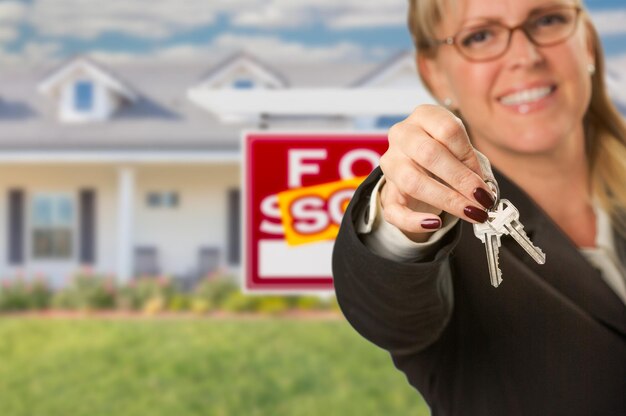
<point x="491" y="19"/>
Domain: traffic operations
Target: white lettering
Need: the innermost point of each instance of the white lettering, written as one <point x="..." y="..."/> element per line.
<point x="310" y="215"/>
<point x="270" y="209"/>
<point x="348" y="160"/>
<point x="298" y="168"/>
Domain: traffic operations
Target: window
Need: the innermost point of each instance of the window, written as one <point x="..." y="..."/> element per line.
<point x="160" y="199"/>
<point x="243" y="84"/>
<point x="52" y="226"/>
<point x="385" y="122"/>
<point x="83" y="96"/>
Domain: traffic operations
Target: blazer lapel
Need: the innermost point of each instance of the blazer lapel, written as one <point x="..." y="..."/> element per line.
<point x="566" y="269"/>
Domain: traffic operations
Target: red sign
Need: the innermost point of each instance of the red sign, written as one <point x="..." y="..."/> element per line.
<point x="297" y="187"/>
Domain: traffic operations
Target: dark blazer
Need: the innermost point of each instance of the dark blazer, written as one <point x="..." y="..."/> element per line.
<point x="551" y="340"/>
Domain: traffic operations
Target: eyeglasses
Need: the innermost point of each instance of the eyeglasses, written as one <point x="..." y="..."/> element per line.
<point x="490" y="40"/>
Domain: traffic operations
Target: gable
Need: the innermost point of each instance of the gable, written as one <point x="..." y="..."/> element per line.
<point x="243" y="71"/>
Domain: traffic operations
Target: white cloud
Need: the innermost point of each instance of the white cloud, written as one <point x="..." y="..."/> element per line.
<point x="11" y="13"/>
<point x="610" y="22"/>
<point x="150" y="19"/>
<point x="274" y="48"/>
<point x="158" y="19"/>
<point x="7" y="33"/>
<point x="268" y="48"/>
<point x="344" y="14"/>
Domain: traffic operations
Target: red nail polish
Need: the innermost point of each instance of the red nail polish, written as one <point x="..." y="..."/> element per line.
<point x="475" y="213"/>
<point x="431" y="224"/>
<point x="484" y="198"/>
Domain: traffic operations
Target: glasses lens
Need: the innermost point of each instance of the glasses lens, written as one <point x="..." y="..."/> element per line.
<point x="552" y="26"/>
<point x="482" y="42"/>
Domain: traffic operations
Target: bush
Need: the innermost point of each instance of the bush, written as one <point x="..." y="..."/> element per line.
<point x="18" y="294"/>
<point x="179" y="302"/>
<point x="87" y="291"/>
<point x="273" y="305"/>
<point x="308" y="303"/>
<point x="239" y="302"/>
<point x="216" y="289"/>
<point x="139" y="291"/>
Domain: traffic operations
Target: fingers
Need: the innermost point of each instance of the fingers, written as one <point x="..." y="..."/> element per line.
<point x="415" y="184"/>
<point x="444" y="127"/>
<point x="462" y="192"/>
<point x="412" y="217"/>
<point x="431" y="166"/>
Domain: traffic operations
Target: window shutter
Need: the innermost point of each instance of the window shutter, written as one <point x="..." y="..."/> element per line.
<point x="16" y="227"/>
<point x="234" y="226"/>
<point x="87" y="207"/>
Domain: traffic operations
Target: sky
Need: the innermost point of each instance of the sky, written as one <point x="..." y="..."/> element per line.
<point x="301" y="30"/>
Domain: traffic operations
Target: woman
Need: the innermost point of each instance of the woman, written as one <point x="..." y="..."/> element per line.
<point x="523" y="84"/>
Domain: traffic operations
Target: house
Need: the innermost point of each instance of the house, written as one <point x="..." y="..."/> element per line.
<point x="134" y="168"/>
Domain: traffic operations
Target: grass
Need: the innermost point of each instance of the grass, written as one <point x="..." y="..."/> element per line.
<point x="196" y="367"/>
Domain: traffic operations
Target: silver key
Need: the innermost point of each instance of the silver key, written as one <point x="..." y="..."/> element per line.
<point x="505" y="220"/>
<point x="491" y="238"/>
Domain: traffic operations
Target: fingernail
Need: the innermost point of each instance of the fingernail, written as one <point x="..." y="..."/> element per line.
<point x="431" y="224"/>
<point x="475" y="213"/>
<point x="484" y="198"/>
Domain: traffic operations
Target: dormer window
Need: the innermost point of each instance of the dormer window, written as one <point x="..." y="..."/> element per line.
<point x="84" y="92"/>
<point x="83" y="96"/>
<point x="243" y="84"/>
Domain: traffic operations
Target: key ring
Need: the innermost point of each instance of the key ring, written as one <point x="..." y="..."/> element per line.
<point x="495" y="189"/>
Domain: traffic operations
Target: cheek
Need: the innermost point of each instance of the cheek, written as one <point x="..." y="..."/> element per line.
<point x="472" y="89"/>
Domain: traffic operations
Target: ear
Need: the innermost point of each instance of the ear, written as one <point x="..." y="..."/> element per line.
<point x="430" y="69"/>
<point x="591" y="36"/>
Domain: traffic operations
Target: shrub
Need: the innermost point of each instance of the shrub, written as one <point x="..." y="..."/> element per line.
<point x="216" y="289"/>
<point x="273" y="305"/>
<point x="179" y="302"/>
<point x="201" y="305"/>
<point x="139" y="291"/>
<point x="239" y="302"/>
<point x="308" y="303"/>
<point x="87" y="291"/>
<point x="18" y="294"/>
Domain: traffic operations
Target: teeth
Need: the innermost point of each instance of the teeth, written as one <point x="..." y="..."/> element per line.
<point x="526" y="96"/>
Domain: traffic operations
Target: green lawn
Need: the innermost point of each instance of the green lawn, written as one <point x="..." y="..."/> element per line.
<point x="179" y="367"/>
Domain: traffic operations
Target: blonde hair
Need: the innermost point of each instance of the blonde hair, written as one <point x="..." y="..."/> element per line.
<point x="605" y="129"/>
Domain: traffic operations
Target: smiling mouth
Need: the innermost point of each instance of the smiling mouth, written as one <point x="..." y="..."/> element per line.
<point x="528" y="96"/>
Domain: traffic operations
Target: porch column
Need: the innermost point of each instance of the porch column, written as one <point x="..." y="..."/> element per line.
<point x="125" y="223"/>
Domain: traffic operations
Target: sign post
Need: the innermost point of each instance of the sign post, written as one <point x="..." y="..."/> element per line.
<point x="296" y="189"/>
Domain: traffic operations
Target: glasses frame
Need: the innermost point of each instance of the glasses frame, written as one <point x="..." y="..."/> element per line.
<point x="453" y="40"/>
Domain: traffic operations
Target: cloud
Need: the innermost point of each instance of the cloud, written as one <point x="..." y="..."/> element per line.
<point x="345" y="14"/>
<point x="154" y="19"/>
<point x="159" y="19"/>
<point x="610" y="22"/>
<point x="268" y="48"/>
<point x="11" y="13"/>
<point x="274" y="48"/>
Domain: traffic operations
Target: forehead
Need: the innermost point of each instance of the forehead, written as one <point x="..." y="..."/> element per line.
<point x="457" y="12"/>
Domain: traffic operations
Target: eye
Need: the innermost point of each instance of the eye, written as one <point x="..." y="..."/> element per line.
<point x="550" y="19"/>
<point x="476" y="37"/>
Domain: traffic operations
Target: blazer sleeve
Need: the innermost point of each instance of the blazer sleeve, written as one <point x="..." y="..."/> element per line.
<point x="401" y="307"/>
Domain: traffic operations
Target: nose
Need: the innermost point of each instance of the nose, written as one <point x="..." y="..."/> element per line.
<point x="522" y="51"/>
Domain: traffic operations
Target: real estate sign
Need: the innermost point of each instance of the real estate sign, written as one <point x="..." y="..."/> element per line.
<point x="296" y="189"/>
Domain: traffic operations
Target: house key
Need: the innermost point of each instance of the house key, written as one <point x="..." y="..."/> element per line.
<point x="504" y="220"/>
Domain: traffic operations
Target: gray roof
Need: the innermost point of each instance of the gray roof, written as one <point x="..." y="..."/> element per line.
<point x="162" y="117"/>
